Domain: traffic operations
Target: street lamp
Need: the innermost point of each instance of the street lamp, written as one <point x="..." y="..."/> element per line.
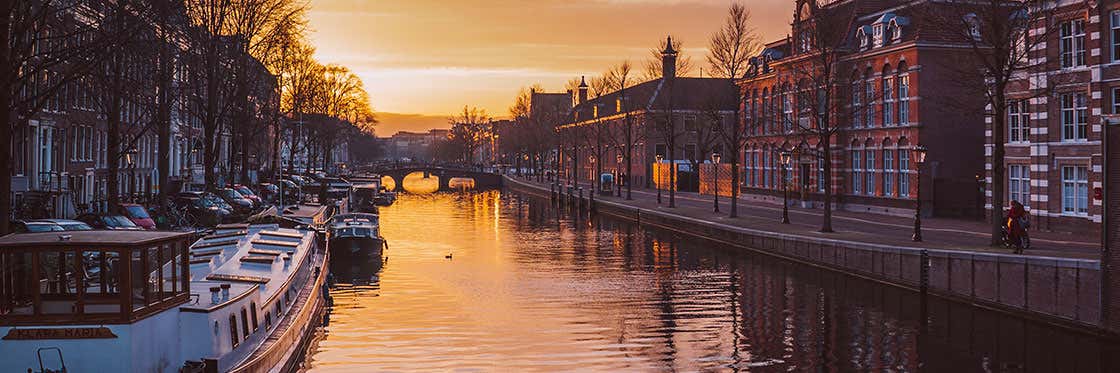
<point x="658" y="182"/>
<point x="920" y="158"/>
<point x="786" y="156"/>
<point x="130" y="161"/>
<point x="618" y="173"/>
<point x="715" y="168"/>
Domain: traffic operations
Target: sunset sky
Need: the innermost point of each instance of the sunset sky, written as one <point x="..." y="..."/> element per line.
<point x="432" y="57"/>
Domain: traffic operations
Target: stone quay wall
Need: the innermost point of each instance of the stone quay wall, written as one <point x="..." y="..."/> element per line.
<point x="1061" y="291"/>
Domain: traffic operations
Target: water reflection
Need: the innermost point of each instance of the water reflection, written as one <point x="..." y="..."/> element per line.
<point x="420" y="183"/>
<point x="533" y="288"/>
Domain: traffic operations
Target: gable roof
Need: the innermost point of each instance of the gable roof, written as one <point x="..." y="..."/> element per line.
<point x="681" y="93"/>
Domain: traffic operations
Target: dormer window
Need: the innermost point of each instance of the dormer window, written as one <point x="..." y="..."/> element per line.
<point x="973" y="24"/>
<point x="878" y="34"/>
<point x="862" y="36"/>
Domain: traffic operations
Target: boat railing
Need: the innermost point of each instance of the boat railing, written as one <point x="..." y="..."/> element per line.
<point x="281" y="346"/>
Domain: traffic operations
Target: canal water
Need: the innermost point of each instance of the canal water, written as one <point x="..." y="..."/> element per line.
<point x="529" y="287"/>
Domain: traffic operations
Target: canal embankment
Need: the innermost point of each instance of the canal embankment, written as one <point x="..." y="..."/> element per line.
<point x="1058" y="290"/>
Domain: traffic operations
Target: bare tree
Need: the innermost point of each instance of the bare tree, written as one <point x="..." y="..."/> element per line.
<point x="621" y="78"/>
<point x="729" y="53"/>
<point x="469" y="128"/>
<point x="35" y="64"/>
<point x="1001" y="37"/>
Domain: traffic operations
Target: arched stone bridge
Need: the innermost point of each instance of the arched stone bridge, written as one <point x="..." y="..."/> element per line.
<point x="482" y="179"/>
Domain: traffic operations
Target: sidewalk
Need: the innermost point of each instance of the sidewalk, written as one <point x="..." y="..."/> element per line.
<point x="938" y="233"/>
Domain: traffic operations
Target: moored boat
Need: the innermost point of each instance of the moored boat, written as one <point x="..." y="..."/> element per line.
<point x="355" y="240"/>
<point x="243" y="299"/>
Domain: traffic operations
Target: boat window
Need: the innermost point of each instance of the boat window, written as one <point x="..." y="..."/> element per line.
<point x="268" y="319"/>
<point x="81" y="284"/>
<point x="244" y="323"/>
<point x="43" y="227"/>
<point x="253" y="308"/>
<point x="233" y="330"/>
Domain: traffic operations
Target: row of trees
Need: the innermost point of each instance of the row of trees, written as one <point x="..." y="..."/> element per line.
<point x="233" y="68"/>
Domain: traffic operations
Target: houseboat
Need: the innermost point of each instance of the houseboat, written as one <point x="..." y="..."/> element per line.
<point x="242" y="299"/>
<point x="354" y="241"/>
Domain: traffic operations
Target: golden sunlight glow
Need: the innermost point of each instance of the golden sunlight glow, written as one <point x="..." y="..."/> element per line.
<point x="388" y="183"/>
<point x="418" y="184"/>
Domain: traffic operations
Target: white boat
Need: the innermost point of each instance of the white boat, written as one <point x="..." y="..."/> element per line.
<point x="243" y="299"/>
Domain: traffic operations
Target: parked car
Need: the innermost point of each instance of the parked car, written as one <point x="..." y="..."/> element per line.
<point x="109" y="222"/>
<point x="204" y="208"/>
<point x="69" y="224"/>
<point x="268" y="192"/>
<point x="248" y="194"/>
<point x="48" y="225"/>
<point x="138" y="215"/>
<point x="241" y="205"/>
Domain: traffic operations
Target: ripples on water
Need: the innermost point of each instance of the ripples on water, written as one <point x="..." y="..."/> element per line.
<point x="531" y="288"/>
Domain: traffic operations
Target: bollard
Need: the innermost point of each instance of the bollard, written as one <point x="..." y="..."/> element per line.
<point x="591" y="201"/>
<point x="581" y="198"/>
<point x="923" y="284"/>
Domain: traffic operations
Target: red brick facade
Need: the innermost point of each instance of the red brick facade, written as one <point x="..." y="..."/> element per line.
<point x="893" y="96"/>
<point x="1053" y="150"/>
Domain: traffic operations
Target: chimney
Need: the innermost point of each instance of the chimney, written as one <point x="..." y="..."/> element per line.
<point x="582" y="90"/>
<point x="669" y="60"/>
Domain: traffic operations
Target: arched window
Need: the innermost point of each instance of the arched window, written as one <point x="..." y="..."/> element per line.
<point x="888" y="168"/>
<point x="765" y="122"/>
<point x="244" y="323"/>
<point x="888" y="96"/>
<point x="857" y="100"/>
<point x="857" y="168"/>
<point x="903" y="94"/>
<point x="903" y="167"/>
<point x="869" y="98"/>
<point x="233" y="330"/>
<point x="870" y="167"/>
<point x="253" y="314"/>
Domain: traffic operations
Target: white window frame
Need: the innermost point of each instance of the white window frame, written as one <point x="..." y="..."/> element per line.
<point x="1072" y="43"/>
<point x="857" y="166"/>
<point x="888" y="100"/>
<point x="1075" y="117"/>
<point x="1075" y="190"/>
<point x="1019" y="183"/>
<point x="904" y="172"/>
<point x="1018" y="121"/>
<point x="869" y="172"/>
<point x="904" y="99"/>
<point x="1114" y="33"/>
<point x="888" y="172"/>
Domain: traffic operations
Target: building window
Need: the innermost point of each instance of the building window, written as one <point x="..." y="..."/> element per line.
<point x="869" y="94"/>
<point x="1075" y="117"/>
<point x="870" y="172"/>
<point x="1019" y="183"/>
<point x="820" y="175"/>
<point x="765" y="169"/>
<point x="888" y="172"/>
<point x="904" y="172"/>
<point x="888" y="101"/>
<point x="787" y="113"/>
<point x="1075" y="190"/>
<point x="690" y="123"/>
<point x="857" y="95"/>
<point x="1116" y="100"/>
<point x="1114" y="27"/>
<point x="857" y="177"/>
<point x="904" y="99"/>
<point x="253" y="313"/>
<point x="1073" y="43"/>
<point x="1018" y="121"/>
<point x="233" y="330"/>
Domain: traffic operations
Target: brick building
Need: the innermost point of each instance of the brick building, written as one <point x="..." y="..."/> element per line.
<point x="1053" y="160"/>
<point x="697" y="108"/>
<point x="890" y="94"/>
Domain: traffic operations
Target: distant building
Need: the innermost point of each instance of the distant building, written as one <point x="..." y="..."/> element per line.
<point x="693" y="107"/>
<point x="416" y="146"/>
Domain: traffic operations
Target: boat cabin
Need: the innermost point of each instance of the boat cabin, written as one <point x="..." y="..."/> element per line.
<point x="91" y="277"/>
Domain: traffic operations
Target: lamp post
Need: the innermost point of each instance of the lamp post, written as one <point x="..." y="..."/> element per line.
<point x="658" y="182"/>
<point x="618" y="174"/>
<point x="919" y="158"/>
<point x="715" y="183"/>
<point x="785" y="158"/>
<point x="130" y="160"/>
